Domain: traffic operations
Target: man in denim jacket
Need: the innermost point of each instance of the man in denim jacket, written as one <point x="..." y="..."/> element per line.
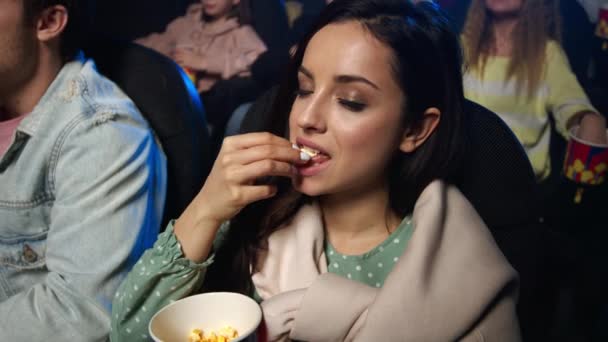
<point x="82" y="180"/>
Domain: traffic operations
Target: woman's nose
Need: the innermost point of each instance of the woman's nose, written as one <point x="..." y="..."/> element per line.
<point x="311" y="116"/>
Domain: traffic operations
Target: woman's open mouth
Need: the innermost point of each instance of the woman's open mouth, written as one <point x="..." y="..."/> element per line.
<point x="318" y="160"/>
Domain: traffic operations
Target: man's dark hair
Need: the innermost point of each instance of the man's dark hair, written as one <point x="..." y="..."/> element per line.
<point x="77" y="28"/>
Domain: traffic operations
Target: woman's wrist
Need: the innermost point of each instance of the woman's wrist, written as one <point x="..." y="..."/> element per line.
<point x="196" y="235"/>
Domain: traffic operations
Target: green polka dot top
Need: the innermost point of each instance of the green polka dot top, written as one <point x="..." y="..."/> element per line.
<point x="162" y="275"/>
<point x="373" y="267"/>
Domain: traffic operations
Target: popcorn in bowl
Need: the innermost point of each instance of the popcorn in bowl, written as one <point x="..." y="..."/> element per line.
<point x="209" y="312"/>
<point x="226" y="334"/>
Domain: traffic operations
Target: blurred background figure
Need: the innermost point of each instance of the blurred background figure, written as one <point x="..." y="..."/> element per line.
<point x="213" y="41"/>
<point x="141" y="18"/>
<point x="576" y="31"/>
<point x="517" y="68"/>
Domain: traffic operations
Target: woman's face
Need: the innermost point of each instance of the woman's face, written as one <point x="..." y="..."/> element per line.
<point x="349" y="108"/>
<point x="218" y="8"/>
<point x="504" y="7"/>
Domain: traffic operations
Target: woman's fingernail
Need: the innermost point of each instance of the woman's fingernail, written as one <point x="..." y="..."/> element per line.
<point x="295" y="147"/>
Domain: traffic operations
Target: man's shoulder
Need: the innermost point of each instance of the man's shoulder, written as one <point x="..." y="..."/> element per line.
<point x="100" y="125"/>
<point x="80" y="95"/>
<point x="84" y="108"/>
<point x="103" y="96"/>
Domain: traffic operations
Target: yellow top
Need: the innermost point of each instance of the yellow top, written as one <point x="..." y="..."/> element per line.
<point x="559" y="94"/>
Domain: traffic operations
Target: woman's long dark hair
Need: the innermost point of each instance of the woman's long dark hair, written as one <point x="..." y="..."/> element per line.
<point x="427" y="66"/>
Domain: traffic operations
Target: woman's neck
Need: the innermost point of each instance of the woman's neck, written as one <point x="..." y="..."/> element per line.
<point x="502" y="35"/>
<point x="357" y="222"/>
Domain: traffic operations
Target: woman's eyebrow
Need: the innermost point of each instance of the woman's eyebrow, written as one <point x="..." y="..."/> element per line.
<point x="342" y="78"/>
<point x="355" y="78"/>
<point x="306" y="72"/>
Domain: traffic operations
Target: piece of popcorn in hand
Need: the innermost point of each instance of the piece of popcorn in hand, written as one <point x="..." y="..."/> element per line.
<point x="306" y="153"/>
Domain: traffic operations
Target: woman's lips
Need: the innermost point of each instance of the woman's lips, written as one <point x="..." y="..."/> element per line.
<point x="316" y="161"/>
<point x="313" y="167"/>
<point x="301" y="142"/>
<point x="305" y="153"/>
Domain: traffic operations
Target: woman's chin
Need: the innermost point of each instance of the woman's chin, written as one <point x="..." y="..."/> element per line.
<point x="305" y="187"/>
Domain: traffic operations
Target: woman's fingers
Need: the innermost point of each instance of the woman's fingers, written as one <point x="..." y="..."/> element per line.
<point x="263" y="152"/>
<point x="253" y="193"/>
<point x="593" y="128"/>
<point x="263" y="168"/>
<point x="243" y="141"/>
<point x="242" y="160"/>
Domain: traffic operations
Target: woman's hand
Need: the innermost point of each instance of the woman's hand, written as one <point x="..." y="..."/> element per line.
<point x="187" y="58"/>
<point x="592" y="128"/>
<point x="230" y="187"/>
<point x="242" y="160"/>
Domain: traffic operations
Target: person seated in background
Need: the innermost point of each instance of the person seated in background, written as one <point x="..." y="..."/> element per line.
<point x="344" y="198"/>
<point x="516" y="67"/>
<point x="212" y="41"/>
<point x="576" y="32"/>
<point x="82" y="180"/>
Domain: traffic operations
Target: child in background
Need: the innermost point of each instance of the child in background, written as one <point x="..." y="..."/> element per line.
<point x="517" y="68"/>
<point x="212" y="41"/>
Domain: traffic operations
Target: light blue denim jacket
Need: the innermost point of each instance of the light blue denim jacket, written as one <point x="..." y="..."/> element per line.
<point x="82" y="190"/>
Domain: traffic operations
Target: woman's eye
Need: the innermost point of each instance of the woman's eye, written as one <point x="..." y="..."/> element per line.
<point x="303" y="92"/>
<point x="352" y="105"/>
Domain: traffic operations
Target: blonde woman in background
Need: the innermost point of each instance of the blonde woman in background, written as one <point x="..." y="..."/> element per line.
<point x="517" y="68"/>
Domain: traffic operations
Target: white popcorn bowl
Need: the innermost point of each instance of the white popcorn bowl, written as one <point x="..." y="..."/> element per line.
<point x="207" y="311"/>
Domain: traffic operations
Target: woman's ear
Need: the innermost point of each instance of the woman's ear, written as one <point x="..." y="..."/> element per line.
<point x="415" y="136"/>
<point x="235" y="2"/>
<point x="51" y="23"/>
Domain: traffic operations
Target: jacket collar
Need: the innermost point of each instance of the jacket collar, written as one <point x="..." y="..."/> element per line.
<point x="60" y="88"/>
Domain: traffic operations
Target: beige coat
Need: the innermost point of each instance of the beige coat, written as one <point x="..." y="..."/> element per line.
<point x="229" y="50"/>
<point x="451" y="283"/>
